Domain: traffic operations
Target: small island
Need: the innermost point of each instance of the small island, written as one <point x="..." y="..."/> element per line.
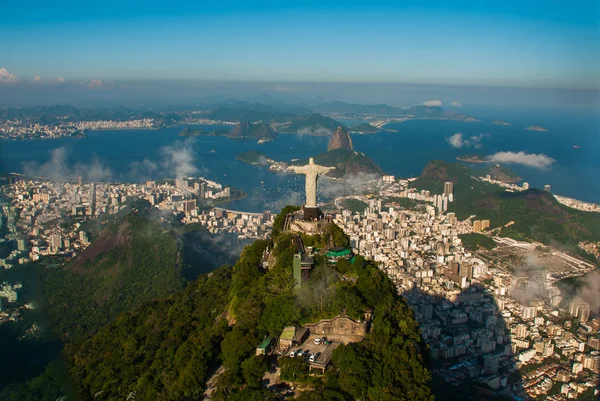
<point x="472" y="158"/>
<point x="500" y="122"/>
<point x="536" y="128"/>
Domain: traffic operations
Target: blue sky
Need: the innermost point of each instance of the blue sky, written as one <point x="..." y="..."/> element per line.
<point x="508" y="43"/>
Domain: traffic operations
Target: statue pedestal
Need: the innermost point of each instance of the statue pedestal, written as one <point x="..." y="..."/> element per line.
<point x="312" y="213"/>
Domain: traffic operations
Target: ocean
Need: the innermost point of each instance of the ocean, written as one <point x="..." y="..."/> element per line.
<point x="572" y="142"/>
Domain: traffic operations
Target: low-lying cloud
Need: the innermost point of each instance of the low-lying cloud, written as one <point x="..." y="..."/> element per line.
<point x="7" y="77"/>
<point x="320" y="131"/>
<point x="456" y="104"/>
<point x="96" y="84"/>
<point x="58" y="169"/>
<point x="433" y="103"/>
<point x="459" y="141"/>
<point x="536" y="160"/>
<point x="179" y="158"/>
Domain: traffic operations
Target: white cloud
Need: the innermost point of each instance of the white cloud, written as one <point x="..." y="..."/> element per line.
<point x="527" y="159"/>
<point x="58" y="169"/>
<point x="60" y="80"/>
<point x="456" y="104"/>
<point x="179" y="159"/>
<point x="37" y="79"/>
<point x="436" y="103"/>
<point x="7" y="77"/>
<point x="96" y="84"/>
<point x="458" y="141"/>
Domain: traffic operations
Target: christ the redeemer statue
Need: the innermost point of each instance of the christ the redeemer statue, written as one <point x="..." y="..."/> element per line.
<point x="312" y="172"/>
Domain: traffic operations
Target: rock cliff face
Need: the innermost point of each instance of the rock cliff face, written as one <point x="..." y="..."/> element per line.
<point x="340" y="140"/>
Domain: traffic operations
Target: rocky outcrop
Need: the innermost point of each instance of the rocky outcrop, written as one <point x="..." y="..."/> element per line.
<point x="340" y="140"/>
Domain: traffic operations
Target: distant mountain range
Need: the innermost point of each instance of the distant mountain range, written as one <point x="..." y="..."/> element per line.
<point x="245" y="129"/>
<point x="353" y="110"/>
<point x="313" y="124"/>
<point x="256" y="112"/>
<point x="51" y="115"/>
<point x="288" y="118"/>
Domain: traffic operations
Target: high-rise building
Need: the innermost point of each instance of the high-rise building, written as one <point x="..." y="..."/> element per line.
<point x="528" y="312"/>
<point x="580" y="309"/>
<point x="55" y="241"/>
<point x="80" y="180"/>
<point x="267" y="215"/>
<point x="427" y="311"/>
<point x="547" y="188"/>
<point x="448" y="188"/>
<point x="525" y="186"/>
<point x="20" y="244"/>
<point x="189" y="205"/>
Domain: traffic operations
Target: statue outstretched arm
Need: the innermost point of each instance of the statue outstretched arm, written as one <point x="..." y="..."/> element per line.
<point x="299" y="169"/>
<point x="323" y="169"/>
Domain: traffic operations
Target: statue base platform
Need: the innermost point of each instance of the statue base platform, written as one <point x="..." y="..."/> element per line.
<point x="312" y="213"/>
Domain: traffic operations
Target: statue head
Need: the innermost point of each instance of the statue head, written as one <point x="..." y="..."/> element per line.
<point x="311" y="161"/>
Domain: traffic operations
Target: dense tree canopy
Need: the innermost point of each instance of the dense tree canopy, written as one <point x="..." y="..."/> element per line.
<point x="167" y="349"/>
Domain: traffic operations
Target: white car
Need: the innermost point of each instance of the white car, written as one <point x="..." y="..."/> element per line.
<point x="293" y="353"/>
<point x="312" y="357"/>
<point x="318" y="341"/>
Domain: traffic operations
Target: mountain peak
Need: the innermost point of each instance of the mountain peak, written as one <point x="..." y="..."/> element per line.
<point x="340" y="140"/>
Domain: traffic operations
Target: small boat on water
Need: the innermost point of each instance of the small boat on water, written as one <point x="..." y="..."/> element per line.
<point x="576" y="146"/>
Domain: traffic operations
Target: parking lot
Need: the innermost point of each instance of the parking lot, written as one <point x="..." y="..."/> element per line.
<point x="310" y="347"/>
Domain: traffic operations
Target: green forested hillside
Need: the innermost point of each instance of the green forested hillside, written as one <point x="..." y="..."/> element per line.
<point x="537" y="215"/>
<point x="133" y="260"/>
<point x="163" y="350"/>
<point x="130" y="262"/>
<point x="437" y="172"/>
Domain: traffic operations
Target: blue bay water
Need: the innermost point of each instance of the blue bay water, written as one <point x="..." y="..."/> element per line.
<point x="402" y="153"/>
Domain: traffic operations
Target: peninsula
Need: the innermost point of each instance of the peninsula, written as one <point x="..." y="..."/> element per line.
<point x="364" y="128"/>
